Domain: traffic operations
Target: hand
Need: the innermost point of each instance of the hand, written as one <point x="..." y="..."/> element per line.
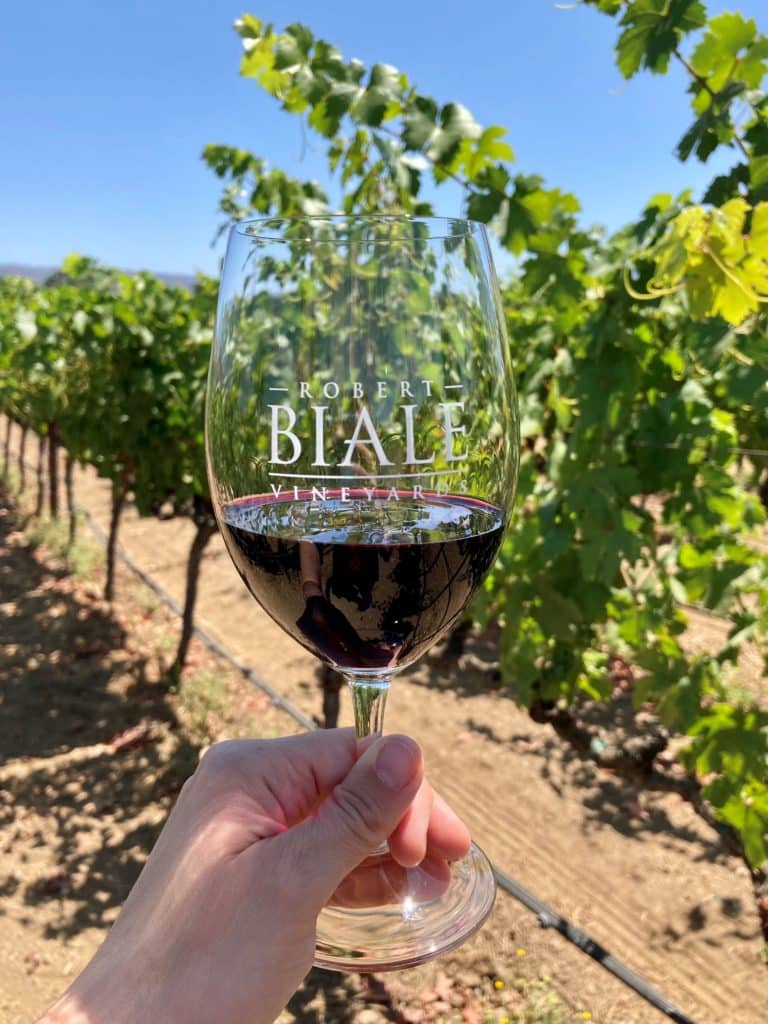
<point x="221" y="923"/>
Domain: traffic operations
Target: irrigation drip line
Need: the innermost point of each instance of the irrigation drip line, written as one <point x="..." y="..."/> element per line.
<point x="547" y="916"/>
<point x="202" y="634"/>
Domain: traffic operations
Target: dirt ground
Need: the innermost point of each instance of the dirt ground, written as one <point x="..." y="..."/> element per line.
<point x="82" y="797"/>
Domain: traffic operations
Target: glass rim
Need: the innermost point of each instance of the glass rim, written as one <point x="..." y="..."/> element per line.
<point x="439" y="227"/>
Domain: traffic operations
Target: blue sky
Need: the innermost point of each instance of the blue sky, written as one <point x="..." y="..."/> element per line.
<point x="106" y="107"/>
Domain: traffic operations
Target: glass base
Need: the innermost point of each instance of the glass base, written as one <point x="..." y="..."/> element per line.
<point x="417" y="913"/>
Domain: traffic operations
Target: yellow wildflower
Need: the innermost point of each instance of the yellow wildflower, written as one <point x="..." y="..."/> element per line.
<point x="498" y="984"/>
<point x="520" y="952"/>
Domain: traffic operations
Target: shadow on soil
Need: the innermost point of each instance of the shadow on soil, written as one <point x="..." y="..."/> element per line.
<point x="71" y="778"/>
<point x="608" y="798"/>
<point x="70" y="690"/>
<point x="636" y="808"/>
<point x="330" y="996"/>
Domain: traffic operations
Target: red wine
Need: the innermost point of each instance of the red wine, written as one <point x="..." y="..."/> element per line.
<point x="363" y="582"/>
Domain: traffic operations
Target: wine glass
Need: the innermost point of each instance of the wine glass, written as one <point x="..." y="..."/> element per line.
<point x="362" y="444"/>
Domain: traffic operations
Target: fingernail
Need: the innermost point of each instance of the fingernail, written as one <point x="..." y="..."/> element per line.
<point x="397" y="762"/>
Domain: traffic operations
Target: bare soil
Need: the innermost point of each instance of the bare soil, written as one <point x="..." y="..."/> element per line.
<point x="94" y="750"/>
<point x="81" y="801"/>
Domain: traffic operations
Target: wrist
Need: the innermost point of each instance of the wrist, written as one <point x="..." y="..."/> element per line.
<point x="70" y="1010"/>
<point x="109" y="991"/>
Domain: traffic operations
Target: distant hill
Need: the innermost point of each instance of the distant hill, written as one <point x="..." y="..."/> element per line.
<point x="40" y="274"/>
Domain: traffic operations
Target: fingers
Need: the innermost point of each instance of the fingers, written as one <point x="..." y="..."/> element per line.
<point x="291" y="780"/>
<point x="285" y="778"/>
<point x="429" y="828"/>
<point x="408" y="843"/>
<point x="447" y="835"/>
<point x="360" y="813"/>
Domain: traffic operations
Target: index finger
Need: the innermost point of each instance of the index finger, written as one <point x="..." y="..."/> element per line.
<point x="287" y="777"/>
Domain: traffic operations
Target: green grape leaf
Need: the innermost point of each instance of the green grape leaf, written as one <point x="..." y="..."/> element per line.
<point x="758" y="234"/>
<point x="714" y="127"/>
<point x="388" y="80"/>
<point x="456" y="120"/>
<point x="732" y="301"/>
<point x="652" y="32"/>
<point x="518" y="224"/>
<point x="250" y="27"/>
<point x="327" y="115"/>
<point x="371" y="107"/>
<point x="456" y="125"/>
<point x="753" y="830"/>
<point x="726" y="186"/>
<point x="301" y="37"/>
<point x="610" y="7"/>
<point x="486" y="149"/>
<point x="419" y="122"/>
<point x="758" y="178"/>
<point x="680" y="704"/>
<point x="483" y="206"/>
<point x="716" y="56"/>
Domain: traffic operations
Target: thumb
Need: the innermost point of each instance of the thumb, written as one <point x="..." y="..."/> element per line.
<point x="361" y="812"/>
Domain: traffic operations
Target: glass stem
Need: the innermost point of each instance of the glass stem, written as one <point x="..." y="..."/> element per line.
<point x="369" y="698"/>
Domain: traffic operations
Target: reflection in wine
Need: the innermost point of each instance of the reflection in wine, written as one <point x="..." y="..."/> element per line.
<point x="363" y="584"/>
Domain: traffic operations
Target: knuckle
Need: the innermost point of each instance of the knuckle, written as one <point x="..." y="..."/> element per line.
<point x="220" y="759"/>
<point x="232" y="764"/>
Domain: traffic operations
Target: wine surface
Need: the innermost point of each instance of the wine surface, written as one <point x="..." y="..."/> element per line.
<point x="363" y="583"/>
